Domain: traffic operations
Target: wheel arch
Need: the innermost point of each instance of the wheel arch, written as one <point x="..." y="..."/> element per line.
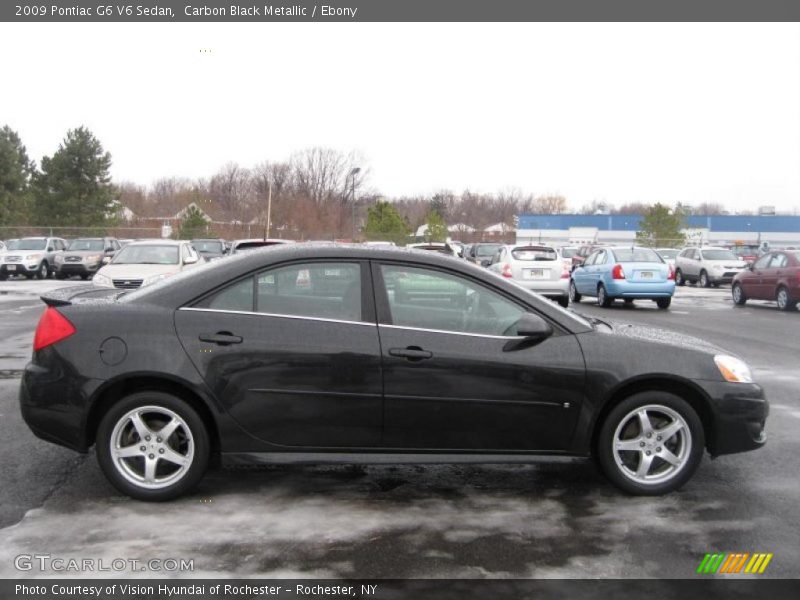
<point x="105" y="397"/>
<point x="683" y="388"/>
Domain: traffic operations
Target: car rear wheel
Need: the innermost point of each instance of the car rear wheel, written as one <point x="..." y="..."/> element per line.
<point x="663" y="303"/>
<point x="679" y="280"/>
<point x="782" y="298"/>
<point x="738" y="294"/>
<point x="651" y="443"/>
<point x="563" y="301"/>
<point x="574" y="295"/>
<point x="602" y="297"/>
<point x="152" y="446"/>
<point x="704" y="281"/>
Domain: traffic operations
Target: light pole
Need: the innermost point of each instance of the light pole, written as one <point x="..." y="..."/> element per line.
<point x="355" y="171"/>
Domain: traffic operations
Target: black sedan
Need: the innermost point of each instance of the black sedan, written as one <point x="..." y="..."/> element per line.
<point x="331" y="354"/>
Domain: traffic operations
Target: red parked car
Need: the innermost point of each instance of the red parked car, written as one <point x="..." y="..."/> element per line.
<point x="774" y="276"/>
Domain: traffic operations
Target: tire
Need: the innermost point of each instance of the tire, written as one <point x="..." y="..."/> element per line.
<point x="737" y="293"/>
<point x="563" y="301"/>
<point x="574" y="295"/>
<point x="704" y="281"/>
<point x="685" y="446"/>
<point x="84" y="277"/>
<point x="60" y="275"/>
<point x="189" y="443"/>
<point x="43" y="272"/>
<point x="783" y="300"/>
<point x="679" y="280"/>
<point x="663" y="303"/>
<point x="3" y="276"/>
<point x="602" y="297"/>
<point x="629" y="301"/>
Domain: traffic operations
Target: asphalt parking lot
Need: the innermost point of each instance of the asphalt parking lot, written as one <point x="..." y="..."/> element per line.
<point x="554" y="520"/>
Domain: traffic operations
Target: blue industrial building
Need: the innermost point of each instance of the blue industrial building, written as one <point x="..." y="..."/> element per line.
<point x="777" y="229"/>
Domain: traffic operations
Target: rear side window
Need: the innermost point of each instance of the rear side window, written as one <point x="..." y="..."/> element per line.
<point x="321" y="290"/>
<point x="778" y="261"/>
<point x="636" y="255"/>
<point x="534" y="254"/>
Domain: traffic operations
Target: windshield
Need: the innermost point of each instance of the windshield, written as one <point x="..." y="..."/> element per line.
<point x="147" y="255"/>
<point x="668" y="253"/>
<point x="208" y="247"/>
<point x="31" y="245"/>
<point x="745" y="250"/>
<point x="12" y="245"/>
<point x="636" y="255"/>
<point x="719" y="255"/>
<point x="82" y="245"/>
<point x="569" y="252"/>
<point x="487" y="249"/>
<point x="542" y="254"/>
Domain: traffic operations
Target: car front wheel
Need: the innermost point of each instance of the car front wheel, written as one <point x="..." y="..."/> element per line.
<point x="651" y="443"/>
<point x="704" y="280"/>
<point x="152" y="446"/>
<point x="43" y="272"/>
<point x="563" y="301"/>
<point x="738" y="294"/>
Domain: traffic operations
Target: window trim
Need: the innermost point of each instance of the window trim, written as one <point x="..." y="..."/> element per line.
<point x="275" y="315"/>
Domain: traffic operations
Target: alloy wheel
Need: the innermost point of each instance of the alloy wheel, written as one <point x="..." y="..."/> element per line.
<point x="782" y="299"/>
<point x="152" y="447"/>
<point x="652" y="444"/>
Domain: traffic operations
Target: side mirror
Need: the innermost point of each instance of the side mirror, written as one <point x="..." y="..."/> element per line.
<point x="533" y="329"/>
<point x="190" y="260"/>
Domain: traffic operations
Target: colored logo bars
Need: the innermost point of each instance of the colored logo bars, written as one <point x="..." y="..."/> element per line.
<point x="734" y="562"/>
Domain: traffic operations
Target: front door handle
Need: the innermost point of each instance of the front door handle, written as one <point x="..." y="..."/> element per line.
<point x="222" y="338"/>
<point x="412" y="353"/>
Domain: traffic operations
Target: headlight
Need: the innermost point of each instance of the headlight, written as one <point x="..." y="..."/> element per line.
<point x="33" y="257"/>
<point x="58" y="259"/>
<point x="152" y="279"/>
<point x="93" y="258"/>
<point x="733" y="369"/>
<point x="102" y="280"/>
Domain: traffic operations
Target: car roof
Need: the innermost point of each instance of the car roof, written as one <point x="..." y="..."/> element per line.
<point x="158" y="243"/>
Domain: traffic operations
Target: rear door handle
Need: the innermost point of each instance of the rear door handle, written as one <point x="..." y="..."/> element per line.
<point x="223" y="338"/>
<point x="412" y="353"/>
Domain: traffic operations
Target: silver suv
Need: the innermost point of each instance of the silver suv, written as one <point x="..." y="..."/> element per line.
<point x="32" y="257"/>
<point x="709" y="265"/>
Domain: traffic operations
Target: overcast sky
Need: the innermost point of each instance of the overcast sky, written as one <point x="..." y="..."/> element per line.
<point x="622" y="113"/>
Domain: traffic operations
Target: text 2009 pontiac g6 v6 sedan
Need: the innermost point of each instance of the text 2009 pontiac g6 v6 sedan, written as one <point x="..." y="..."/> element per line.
<point x="352" y="354"/>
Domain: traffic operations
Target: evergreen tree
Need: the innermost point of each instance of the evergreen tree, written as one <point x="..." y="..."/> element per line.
<point x="16" y="170"/>
<point x="74" y="187"/>
<point x="385" y="223"/>
<point x="193" y="224"/>
<point x="661" y="226"/>
<point x="437" y="229"/>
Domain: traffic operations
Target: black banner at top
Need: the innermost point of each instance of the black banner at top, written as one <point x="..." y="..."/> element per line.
<point x="363" y="11"/>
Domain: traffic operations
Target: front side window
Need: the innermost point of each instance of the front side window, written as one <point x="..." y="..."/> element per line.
<point x="428" y="299"/>
<point x="762" y="262"/>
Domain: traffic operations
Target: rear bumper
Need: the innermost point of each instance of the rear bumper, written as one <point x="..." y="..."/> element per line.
<point x="549" y="288"/>
<point x="740" y="413"/>
<point x="637" y="289"/>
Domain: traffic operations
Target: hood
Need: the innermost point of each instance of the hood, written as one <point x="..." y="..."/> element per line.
<point x="661" y="336"/>
<point x="137" y="271"/>
<point x="82" y="253"/>
<point x="734" y="264"/>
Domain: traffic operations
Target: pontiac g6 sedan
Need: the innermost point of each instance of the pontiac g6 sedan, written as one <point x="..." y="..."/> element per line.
<point x="330" y="354"/>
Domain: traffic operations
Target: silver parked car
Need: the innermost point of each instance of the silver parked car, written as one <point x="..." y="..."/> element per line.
<point x="32" y="257"/>
<point x="709" y="265"/>
<point x="535" y="267"/>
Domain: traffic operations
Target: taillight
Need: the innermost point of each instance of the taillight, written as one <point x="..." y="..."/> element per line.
<point x="671" y="275"/>
<point x="565" y="273"/>
<point x="53" y="327"/>
<point x="617" y="272"/>
<point x="506" y="271"/>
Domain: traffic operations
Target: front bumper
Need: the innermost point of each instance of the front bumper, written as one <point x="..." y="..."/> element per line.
<point x="739" y="413"/>
<point x="622" y="288"/>
<point x="19" y="268"/>
<point x="66" y="268"/>
<point x="726" y="277"/>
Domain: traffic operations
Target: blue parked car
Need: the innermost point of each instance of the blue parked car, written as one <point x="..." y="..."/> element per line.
<point x="630" y="273"/>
